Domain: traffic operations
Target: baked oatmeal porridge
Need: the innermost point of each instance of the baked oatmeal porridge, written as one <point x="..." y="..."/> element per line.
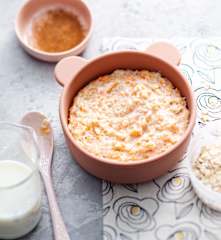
<point x="128" y="115"/>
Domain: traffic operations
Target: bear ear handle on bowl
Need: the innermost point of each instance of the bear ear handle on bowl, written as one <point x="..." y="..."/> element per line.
<point x="66" y="69"/>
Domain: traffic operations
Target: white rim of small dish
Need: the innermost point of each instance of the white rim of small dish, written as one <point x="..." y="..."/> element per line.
<point x="207" y="190"/>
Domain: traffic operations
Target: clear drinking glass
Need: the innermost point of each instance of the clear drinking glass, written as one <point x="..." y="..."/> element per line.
<point x="20" y="182"/>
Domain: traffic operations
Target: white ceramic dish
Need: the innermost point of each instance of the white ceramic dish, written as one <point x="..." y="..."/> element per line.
<point x="204" y="136"/>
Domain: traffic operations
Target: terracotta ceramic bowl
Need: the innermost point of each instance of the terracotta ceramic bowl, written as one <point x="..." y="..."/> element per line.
<point x="33" y="7"/>
<point x="75" y="72"/>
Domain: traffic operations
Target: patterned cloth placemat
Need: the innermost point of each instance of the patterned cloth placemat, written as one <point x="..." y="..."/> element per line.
<point x="167" y="207"/>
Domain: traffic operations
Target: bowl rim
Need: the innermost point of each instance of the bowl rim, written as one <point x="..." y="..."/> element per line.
<point x="76" y="48"/>
<point x="184" y="137"/>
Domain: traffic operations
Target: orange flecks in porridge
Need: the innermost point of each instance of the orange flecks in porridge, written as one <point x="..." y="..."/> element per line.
<point x="45" y="126"/>
<point x="128" y="115"/>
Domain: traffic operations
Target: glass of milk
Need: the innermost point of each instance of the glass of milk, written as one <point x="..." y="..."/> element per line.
<point x="20" y="182"/>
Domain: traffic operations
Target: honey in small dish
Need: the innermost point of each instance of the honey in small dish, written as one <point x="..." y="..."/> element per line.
<point x="56" y="30"/>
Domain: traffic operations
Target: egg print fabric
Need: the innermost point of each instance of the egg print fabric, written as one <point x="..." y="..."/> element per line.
<point x="167" y="208"/>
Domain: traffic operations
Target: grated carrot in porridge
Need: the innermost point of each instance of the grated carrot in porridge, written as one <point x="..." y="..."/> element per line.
<point x="128" y="115"/>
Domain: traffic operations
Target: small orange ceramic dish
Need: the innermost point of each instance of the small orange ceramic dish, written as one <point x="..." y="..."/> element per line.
<point x="33" y="9"/>
<point x="75" y="72"/>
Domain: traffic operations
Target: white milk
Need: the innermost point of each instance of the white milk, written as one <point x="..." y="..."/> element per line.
<point x="20" y="199"/>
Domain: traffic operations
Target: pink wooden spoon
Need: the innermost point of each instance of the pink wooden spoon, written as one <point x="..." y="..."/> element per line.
<point x="44" y="132"/>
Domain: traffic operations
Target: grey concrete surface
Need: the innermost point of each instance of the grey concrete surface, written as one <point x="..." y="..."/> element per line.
<point x="27" y="85"/>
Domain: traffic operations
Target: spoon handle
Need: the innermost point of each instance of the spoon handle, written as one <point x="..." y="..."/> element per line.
<point x="60" y="231"/>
